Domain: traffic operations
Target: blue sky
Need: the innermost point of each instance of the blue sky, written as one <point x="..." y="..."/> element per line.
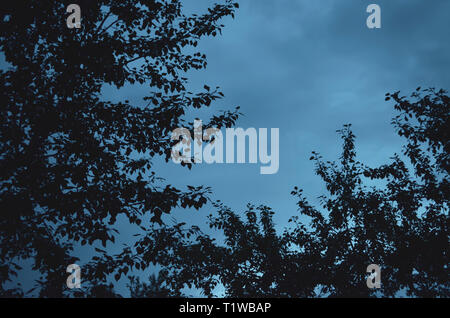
<point x="307" y="67"/>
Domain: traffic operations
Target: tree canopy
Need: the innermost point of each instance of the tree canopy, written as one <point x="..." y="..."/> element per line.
<point x="401" y="224"/>
<point x="72" y="161"/>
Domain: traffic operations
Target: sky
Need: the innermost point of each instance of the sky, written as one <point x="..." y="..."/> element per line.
<point x="308" y="67"/>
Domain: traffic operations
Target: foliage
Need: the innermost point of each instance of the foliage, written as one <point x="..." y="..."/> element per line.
<point x="72" y="162"/>
<point x="153" y="289"/>
<point x="400" y="223"/>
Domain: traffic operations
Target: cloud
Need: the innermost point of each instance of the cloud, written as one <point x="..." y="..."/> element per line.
<point x="308" y="67"/>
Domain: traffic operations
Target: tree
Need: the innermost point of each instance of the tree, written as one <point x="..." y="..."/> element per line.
<point x="400" y="223"/>
<point x="257" y="261"/>
<point x="153" y="289"/>
<point x="72" y="162"/>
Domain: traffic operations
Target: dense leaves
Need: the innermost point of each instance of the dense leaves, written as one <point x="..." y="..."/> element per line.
<point x="395" y="216"/>
<point x="72" y="161"/>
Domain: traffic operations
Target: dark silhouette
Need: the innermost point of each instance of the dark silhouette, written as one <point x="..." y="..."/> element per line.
<point x="71" y="163"/>
<point x="153" y="289"/>
<point x="401" y="224"/>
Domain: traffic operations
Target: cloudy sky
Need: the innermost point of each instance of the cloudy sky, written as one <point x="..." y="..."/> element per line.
<point x="307" y="67"/>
